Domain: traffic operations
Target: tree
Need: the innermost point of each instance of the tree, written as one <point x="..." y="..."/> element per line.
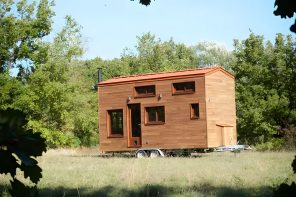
<point x="286" y="8"/>
<point x="21" y="33"/>
<point x="154" y="55"/>
<point x="48" y="94"/>
<point x="59" y="95"/>
<point x="22" y="27"/>
<point x="10" y="91"/>
<point x="265" y="74"/>
<point x="19" y="148"/>
<point x="209" y="54"/>
<point x="144" y="2"/>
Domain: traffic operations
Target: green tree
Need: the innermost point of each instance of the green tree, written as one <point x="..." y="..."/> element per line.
<point x="59" y="96"/>
<point x="10" y="91"/>
<point x="48" y="94"/>
<point x="154" y="55"/>
<point x="209" y="54"/>
<point x="264" y="82"/>
<point x="21" y="31"/>
<point x="83" y="116"/>
<point x="22" y="27"/>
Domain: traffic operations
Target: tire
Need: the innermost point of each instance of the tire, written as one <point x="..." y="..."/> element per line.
<point x="154" y="154"/>
<point x="141" y="154"/>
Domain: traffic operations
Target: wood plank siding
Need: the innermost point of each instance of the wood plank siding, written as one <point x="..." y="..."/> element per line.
<point x="214" y="94"/>
<point x="220" y="108"/>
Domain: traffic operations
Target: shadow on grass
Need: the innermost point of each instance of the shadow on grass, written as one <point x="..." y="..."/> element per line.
<point x="157" y="190"/>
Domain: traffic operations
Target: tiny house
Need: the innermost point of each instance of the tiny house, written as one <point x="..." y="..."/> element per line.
<point x="188" y="109"/>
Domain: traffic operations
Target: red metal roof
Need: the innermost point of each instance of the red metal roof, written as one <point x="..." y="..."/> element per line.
<point x="165" y="75"/>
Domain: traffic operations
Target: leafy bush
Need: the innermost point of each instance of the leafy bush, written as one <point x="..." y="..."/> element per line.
<point x="55" y="138"/>
<point x="274" y="144"/>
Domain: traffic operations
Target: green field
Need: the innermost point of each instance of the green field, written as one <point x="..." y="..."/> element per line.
<point x="80" y="173"/>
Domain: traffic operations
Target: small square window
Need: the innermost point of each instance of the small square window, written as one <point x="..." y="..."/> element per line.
<point x="184" y="88"/>
<point x="154" y="115"/>
<point x="115" y="122"/>
<point x="194" y="111"/>
<point x="145" y="91"/>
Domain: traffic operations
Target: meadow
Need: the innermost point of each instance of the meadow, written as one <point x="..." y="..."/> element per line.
<point x="85" y="173"/>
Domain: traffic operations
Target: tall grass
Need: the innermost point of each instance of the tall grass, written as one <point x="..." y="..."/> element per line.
<point x="215" y="174"/>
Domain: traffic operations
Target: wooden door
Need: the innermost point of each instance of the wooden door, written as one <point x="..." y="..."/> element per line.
<point x="228" y="136"/>
<point x="134" y="125"/>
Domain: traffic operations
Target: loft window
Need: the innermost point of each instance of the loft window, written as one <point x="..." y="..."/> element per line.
<point x="154" y="115"/>
<point x="194" y="111"/>
<point x="115" y="122"/>
<point x="145" y="91"/>
<point x="184" y="88"/>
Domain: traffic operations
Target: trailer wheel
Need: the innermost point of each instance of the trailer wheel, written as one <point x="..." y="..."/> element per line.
<point x="141" y="154"/>
<point x="154" y="154"/>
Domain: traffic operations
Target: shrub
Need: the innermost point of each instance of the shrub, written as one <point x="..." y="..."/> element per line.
<point x="274" y="144"/>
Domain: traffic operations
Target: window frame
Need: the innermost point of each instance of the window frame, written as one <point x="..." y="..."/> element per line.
<point x="109" y="124"/>
<point x="185" y="91"/>
<point x="137" y="95"/>
<point x="192" y="111"/>
<point x="157" y="122"/>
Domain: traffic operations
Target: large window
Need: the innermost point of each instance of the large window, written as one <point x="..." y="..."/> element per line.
<point x="154" y="115"/>
<point x="194" y="111"/>
<point x="184" y="88"/>
<point x="115" y="122"/>
<point x="145" y="91"/>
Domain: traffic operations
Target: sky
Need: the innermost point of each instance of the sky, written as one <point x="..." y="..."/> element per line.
<point x="110" y="26"/>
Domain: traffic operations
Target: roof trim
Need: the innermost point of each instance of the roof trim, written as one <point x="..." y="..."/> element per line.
<point x="190" y="73"/>
<point x="149" y="80"/>
<point x="222" y="70"/>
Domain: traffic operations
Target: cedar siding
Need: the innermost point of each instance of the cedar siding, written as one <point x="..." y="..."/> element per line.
<point x="220" y="107"/>
<point x="179" y="130"/>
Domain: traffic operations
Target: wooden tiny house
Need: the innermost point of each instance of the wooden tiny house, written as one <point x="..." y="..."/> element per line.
<point x="187" y="109"/>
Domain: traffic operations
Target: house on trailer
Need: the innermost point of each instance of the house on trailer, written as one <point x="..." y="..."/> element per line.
<point x="187" y="109"/>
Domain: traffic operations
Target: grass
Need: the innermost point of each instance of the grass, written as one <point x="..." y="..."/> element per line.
<point x="72" y="173"/>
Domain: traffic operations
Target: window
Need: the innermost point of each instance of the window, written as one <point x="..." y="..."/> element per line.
<point x="154" y="115"/>
<point x="145" y="91"/>
<point x="184" y="88"/>
<point x="115" y="122"/>
<point x="194" y="111"/>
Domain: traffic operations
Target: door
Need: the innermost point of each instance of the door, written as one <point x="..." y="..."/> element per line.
<point x="229" y="136"/>
<point x="134" y="125"/>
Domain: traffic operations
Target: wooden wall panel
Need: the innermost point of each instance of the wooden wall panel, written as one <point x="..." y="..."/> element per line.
<point x="220" y="107"/>
<point x="179" y="131"/>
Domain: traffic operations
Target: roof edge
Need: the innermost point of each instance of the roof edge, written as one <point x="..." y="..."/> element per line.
<point x="148" y="80"/>
<point x="221" y="69"/>
<point x="213" y="70"/>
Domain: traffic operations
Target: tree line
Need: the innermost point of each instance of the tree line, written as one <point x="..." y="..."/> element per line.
<point x="56" y="88"/>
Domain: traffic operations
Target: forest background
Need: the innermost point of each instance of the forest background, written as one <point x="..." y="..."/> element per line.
<point x="57" y="88"/>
